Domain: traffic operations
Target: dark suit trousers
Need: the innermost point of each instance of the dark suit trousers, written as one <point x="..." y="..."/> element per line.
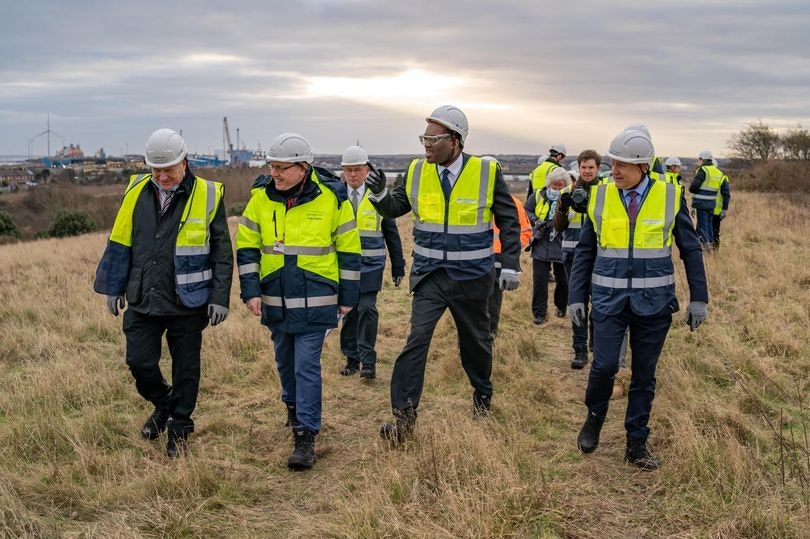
<point x="358" y="336"/>
<point x="184" y="337"/>
<point x="467" y="301"/>
<point x="647" y="336"/>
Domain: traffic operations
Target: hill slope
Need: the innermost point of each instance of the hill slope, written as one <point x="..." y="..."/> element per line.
<point x="730" y="419"/>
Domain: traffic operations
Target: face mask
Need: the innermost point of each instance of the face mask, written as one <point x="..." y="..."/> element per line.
<point x="552" y="194"/>
<point x="172" y="190"/>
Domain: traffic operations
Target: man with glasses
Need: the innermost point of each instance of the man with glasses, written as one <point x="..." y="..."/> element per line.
<point x="298" y="252"/>
<point x="358" y="336"/>
<point x="169" y="255"/>
<point x="455" y="199"/>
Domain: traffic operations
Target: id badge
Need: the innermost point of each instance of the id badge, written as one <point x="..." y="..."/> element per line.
<point x="278" y="247"/>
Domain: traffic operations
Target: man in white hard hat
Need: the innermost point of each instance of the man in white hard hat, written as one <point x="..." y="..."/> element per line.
<point x="709" y="185"/>
<point x="624" y="258"/>
<point x="537" y="178"/>
<point x="455" y="199"/>
<point x="169" y="255"/>
<point x="358" y="336"/>
<point x="673" y="165"/>
<point x="298" y="253"/>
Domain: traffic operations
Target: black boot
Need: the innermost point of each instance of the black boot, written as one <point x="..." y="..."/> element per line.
<point x="588" y="438"/>
<point x="350" y="368"/>
<point x="176" y="446"/>
<point x="292" y="417"/>
<point x="482" y="405"/>
<point x="639" y="455"/>
<point x="156" y="424"/>
<point x="368" y="371"/>
<point x="303" y="456"/>
<point x="580" y="358"/>
<point x="401" y="428"/>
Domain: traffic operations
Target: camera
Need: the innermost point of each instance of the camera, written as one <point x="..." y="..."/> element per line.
<point x="579" y="196"/>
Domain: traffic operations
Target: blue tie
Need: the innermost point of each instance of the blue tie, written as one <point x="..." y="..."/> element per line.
<point x="632" y="208"/>
<point x="446" y="187"/>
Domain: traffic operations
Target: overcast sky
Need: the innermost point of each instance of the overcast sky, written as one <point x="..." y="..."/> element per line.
<point x="527" y="74"/>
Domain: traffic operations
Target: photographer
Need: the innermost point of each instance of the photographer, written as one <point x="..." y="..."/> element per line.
<point x="568" y="222"/>
<point x="546" y="246"/>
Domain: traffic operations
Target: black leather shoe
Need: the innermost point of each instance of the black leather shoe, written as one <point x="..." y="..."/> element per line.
<point x="155" y="425"/>
<point x="398" y="431"/>
<point x="639" y="455"/>
<point x="292" y="417"/>
<point x="588" y="439"/>
<point x="539" y="319"/>
<point x="350" y="368"/>
<point x="561" y="313"/>
<point x="368" y="371"/>
<point x="176" y="446"/>
<point x="580" y="358"/>
<point x="303" y="456"/>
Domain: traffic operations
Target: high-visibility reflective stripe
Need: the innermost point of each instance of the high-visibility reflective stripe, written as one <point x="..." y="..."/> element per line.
<point x="638" y="252"/>
<point x="197" y="277"/>
<point x="569" y="244"/>
<point x="253" y="267"/>
<point x="299" y="250"/>
<point x="708" y="188"/>
<point x="649" y="282"/>
<point x="453" y="229"/>
<point x="705" y="197"/>
<point x="250" y="224"/>
<point x="192" y="250"/>
<point x="483" y="186"/>
<point x="138" y="179"/>
<point x="574" y="224"/>
<point x="211" y="200"/>
<point x="415" y="181"/>
<point x="669" y="210"/>
<point x="300" y="303"/>
<point x="371" y="234"/>
<point x="345" y="227"/>
<point x="498" y="265"/>
<point x="350" y="275"/>
<point x="452" y="255"/>
<point x="599" y="208"/>
<point x="373" y="252"/>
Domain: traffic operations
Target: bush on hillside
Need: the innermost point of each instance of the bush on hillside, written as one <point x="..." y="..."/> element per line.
<point x="8" y="228"/>
<point x="70" y="223"/>
<point x="773" y="176"/>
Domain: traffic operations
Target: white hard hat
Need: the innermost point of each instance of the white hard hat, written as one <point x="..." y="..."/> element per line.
<point x="558" y="173"/>
<point x="541" y="159"/>
<point x="490" y="158"/>
<point x="354" y="155"/>
<point x="165" y="148"/>
<point x="631" y="147"/>
<point x="559" y="148"/>
<point x="638" y="126"/>
<point x="672" y="162"/>
<point x="290" y="148"/>
<point x="706" y="155"/>
<point x="452" y="118"/>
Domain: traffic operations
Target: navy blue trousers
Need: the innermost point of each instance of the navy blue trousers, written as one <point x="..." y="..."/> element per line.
<point x="647" y="336"/>
<point x="298" y="359"/>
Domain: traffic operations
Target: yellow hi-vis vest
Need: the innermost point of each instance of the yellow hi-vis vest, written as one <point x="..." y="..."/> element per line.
<point x="192" y="264"/>
<point x="706" y="197"/>
<point x="570" y="236"/>
<point x="455" y="233"/>
<point x="372" y="242"/>
<point x="538" y="175"/>
<point x="718" y="205"/>
<point x="633" y="263"/>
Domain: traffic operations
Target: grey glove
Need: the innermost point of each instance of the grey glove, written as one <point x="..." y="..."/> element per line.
<point x="217" y="313"/>
<point x="723" y="214"/>
<point x="577" y="311"/>
<point x="509" y="280"/>
<point x="397" y="280"/>
<point x="696" y="314"/>
<point x="376" y="180"/>
<point x="116" y="302"/>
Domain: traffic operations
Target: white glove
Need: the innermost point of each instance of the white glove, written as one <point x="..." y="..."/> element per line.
<point x="509" y="280"/>
<point x="577" y="311"/>
<point x="217" y="313"/>
<point x="696" y="314"/>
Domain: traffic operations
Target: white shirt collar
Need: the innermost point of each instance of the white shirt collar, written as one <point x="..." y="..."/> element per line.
<point x="360" y="190"/>
<point x="454" y="167"/>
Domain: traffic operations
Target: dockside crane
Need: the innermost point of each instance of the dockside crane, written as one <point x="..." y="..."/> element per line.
<point x="226" y="140"/>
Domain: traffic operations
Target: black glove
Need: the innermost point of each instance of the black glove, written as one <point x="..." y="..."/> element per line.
<point x="539" y="229"/>
<point x="566" y="201"/>
<point x="376" y="180"/>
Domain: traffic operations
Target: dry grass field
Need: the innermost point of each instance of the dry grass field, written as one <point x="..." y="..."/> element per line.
<point x="730" y="419"/>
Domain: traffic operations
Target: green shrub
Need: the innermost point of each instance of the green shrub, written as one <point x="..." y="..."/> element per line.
<point x="8" y="228"/>
<point x="70" y="223"/>
<point x="237" y="208"/>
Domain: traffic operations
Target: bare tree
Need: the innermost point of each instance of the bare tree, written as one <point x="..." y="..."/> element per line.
<point x="796" y="143"/>
<point x="756" y="142"/>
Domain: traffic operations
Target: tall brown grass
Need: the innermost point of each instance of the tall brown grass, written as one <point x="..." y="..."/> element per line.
<point x="730" y="420"/>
